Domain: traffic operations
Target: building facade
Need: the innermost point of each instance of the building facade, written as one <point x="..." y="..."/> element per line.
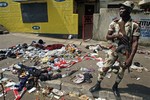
<point x="55" y="17"/>
<point x="39" y="16"/>
<point x="66" y="17"/>
<point x="140" y="14"/>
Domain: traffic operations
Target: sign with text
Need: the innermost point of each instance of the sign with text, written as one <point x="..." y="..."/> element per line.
<point x="145" y="27"/>
<point x="3" y="4"/>
<point x="35" y="27"/>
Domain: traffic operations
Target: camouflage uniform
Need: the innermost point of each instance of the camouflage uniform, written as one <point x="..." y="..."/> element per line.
<point x="131" y="29"/>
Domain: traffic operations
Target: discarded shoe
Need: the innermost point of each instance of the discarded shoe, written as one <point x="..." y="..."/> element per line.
<point x="87" y="77"/>
<point x="79" y="78"/>
<point x="57" y="92"/>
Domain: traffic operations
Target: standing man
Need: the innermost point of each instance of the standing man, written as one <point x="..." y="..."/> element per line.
<point x="124" y="33"/>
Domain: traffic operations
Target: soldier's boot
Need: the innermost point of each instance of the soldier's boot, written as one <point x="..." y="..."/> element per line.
<point x="115" y="89"/>
<point x="96" y="87"/>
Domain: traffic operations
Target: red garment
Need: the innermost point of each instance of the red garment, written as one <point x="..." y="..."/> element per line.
<point x="54" y="46"/>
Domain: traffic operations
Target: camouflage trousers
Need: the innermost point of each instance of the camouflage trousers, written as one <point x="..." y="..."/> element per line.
<point x="110" y="59"/>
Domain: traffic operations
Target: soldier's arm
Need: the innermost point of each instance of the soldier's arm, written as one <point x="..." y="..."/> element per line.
<point x="134" y="44"/>
<point x="111" y="30"/>
<point x="110" y="35"/>
<point x="135" y="39"/>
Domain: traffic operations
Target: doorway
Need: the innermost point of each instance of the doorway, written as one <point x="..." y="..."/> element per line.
<point x="84" y="9"/>
<point x="87" y="22"/>
<point x="89" y="9"/>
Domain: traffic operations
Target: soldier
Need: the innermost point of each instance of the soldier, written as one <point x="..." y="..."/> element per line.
<point x="124" y="34"/>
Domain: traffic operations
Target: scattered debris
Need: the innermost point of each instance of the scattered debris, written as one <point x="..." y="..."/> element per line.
<point x="32" y="90"/>
<point x="138" y="78"/>
<point x="100" y="99"/>
<point x="57" y="92"/>
<point x="146" y="52"/>
<point x="83" y="97"/>
<point x="48" y="61"/>
<point x="79" y="78"/>
<point x="147" y="57"/>
<point x="94" y="48"/>
<point x="147" y="70"/>
<point x="74" y="94"/>
<point x="137" y="66"/>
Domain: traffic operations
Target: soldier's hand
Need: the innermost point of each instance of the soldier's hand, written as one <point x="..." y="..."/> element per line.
<point x="119" y="35"/>
<point x="122" y="38"/>
<point x="128" y="62"/>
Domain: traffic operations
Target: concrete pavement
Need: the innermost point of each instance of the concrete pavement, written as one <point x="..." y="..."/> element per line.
<point x="130" y="88"/>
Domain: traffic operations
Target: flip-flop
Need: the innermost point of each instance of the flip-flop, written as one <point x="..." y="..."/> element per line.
<point x="57" y="92"/>
<point x="79" y="78"/>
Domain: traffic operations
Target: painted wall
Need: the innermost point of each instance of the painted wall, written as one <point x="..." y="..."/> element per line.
<point x="104" y="3"/>
<point x="103" y="19"/>
<point x="61" y="19"/>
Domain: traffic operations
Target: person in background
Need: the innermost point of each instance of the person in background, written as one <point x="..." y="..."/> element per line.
<point x="124" y="34"/>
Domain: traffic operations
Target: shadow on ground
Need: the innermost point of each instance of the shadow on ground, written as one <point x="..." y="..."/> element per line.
<point x="136" y="90"/>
